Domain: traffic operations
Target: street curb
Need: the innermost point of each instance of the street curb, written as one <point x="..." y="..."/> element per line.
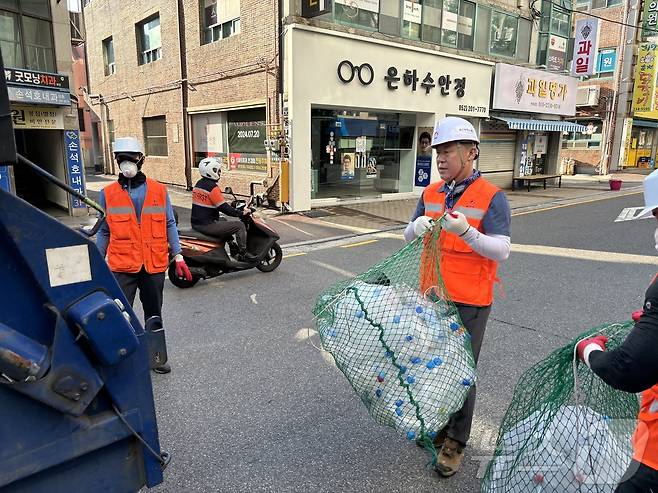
<point x="518" y="209"/>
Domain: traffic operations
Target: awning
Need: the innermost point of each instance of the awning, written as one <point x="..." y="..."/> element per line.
<point x="645" y="123"/>
<point x="548" y="125"/>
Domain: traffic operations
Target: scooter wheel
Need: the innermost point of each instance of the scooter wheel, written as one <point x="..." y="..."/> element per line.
<point x="271" y="260"/>
<point x="178" y="282"/>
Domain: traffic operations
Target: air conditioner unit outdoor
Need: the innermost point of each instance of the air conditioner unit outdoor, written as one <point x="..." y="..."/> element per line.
<point x="588" y="96"/>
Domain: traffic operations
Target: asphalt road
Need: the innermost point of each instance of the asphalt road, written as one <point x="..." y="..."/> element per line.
<point x="251" y="405"/>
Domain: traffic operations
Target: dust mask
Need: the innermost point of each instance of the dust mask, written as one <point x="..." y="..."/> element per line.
<point x="128" y="169"/>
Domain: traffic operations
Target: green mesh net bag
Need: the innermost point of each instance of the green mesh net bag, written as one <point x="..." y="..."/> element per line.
<point x="565" y="430"/>
<point x="399" y="341"/>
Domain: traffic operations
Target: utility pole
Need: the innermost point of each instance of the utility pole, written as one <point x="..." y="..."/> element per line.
<point x="624" y="82"/>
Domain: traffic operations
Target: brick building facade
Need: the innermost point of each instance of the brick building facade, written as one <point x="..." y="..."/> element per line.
<point x="182" y="73"/>
<point x="595" y="107"/>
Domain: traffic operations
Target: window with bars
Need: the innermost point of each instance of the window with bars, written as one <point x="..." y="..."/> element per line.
<point x="149" y="44"/>
<point x="155" y="135"/>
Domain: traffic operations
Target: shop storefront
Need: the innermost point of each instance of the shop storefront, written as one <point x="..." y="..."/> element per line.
<point x="46" y="132"/>
<point x="235" y="136"/>
<point x="366" y="109"/>
<point x="527" y="102"/>
<point x="641" y="152"/>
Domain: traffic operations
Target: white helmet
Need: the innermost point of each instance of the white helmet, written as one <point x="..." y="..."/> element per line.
<point x="453" y="129"/>
<point x="210" y="167"/>
<point x="650" y="185"/>
<point x="127" y="144"/>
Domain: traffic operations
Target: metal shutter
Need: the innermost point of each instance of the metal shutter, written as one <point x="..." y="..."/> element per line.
<point x="497" y="154"/>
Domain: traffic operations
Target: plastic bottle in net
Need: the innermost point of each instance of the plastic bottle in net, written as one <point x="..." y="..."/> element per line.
<point x="565" y="430"/>
<point x="403" y="350"/>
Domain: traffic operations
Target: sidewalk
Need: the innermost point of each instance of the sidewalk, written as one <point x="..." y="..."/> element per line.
<point x="354" y="218"/>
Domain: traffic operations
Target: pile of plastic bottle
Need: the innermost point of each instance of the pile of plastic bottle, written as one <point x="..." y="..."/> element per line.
<point x="571" y="450"/>
<point x="408" y="358"/>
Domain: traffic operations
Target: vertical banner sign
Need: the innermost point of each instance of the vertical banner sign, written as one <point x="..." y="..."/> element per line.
<point x="523" y="157"/>
<point x="645" y="78"/>
<point x="650" y="19"/>
<point x="557" y="49"/>
<point x="423" y="157"/>
<point x="74" y="165"/>
<point x="4" y="178"/>
<point x="585" y="47"/>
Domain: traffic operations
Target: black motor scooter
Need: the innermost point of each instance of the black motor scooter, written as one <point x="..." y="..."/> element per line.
<point x="209" y="256"/>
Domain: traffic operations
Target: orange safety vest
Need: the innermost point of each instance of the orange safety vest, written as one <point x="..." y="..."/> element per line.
<point x="468" y="276"/>
<point x="645" y="438"/>
<point x="135" y="244"/>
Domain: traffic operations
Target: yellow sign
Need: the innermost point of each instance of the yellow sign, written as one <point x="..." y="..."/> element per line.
<point x="33" y="117"/>
<point x="645" y="78"/>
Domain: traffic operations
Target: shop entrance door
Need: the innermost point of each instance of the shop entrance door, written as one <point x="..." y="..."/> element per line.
<point x="44" y="148"/>
<point x="356" y="154"/>
<point x="537" y="157"/>
<point x="639" y="155"/>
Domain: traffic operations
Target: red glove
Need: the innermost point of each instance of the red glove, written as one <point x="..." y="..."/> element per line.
<point x="586" y="346"/>
<point x="182" y="270"/>
<point x="636" y="315"/>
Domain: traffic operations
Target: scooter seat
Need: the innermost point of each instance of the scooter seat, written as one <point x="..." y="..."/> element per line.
<point x="200" y="236"/>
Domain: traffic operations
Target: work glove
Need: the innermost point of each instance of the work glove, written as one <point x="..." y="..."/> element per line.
<point x="182" y="270"/>
<point x="422" y="224"/>
<point x="455" y="222"/>
<point x="586" y="346"/>
<point x="636" y="315"/>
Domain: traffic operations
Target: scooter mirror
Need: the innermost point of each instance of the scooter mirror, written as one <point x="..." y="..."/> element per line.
<point x="228" y="190"/>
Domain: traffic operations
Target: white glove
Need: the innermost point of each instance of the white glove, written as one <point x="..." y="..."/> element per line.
<point x="422" y="224"/>
<point x="455" y="222"/>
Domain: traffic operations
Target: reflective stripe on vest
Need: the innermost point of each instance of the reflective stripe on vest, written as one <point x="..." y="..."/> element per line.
<point x="468" y="277"/>
<point x="133" y="243"/>
<point x="645" y="438"/>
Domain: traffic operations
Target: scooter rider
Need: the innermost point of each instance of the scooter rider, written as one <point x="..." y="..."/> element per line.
<point x="207" y="203"/>
<point x="633" y="367"/>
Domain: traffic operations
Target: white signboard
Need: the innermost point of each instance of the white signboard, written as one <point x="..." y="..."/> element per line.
<point x="535" y="91"/>
<point x="585" y="47"/>
<point x="541" y="144"/>
<point x="361" y="144"/>
<point x="412" y="11"/>
<point x="356" y="5"/>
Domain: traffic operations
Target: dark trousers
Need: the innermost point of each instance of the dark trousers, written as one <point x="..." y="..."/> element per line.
<point x="150" y="288"/>
<point x="225" y="229"/>
<point x="639" y="478"/>
<point x="474" y="319"/>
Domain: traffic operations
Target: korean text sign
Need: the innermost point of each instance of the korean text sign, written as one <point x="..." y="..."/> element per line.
<point x="645" y="78"/>
<point x="74" y="166"/>
<point x="585" y="47"/>
<point x="536" y="91"/>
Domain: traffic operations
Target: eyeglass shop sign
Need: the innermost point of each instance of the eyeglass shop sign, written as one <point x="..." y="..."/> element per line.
<point x="436" y="84"/>
<point x="534" y="91"/>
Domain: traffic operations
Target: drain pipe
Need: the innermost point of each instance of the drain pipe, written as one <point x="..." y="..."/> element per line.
<point x="184" y="91"/>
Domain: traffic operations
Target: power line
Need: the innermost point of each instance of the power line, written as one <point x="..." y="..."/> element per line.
<point x="599" y="17"/>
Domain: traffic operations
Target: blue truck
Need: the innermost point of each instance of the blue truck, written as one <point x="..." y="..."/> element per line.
<point x="76" y="403"/>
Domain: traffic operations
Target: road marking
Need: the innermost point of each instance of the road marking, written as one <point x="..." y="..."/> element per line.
<point x="560" y="206"/>
<point x="592" y="255"/>
<point x="354" y="229"/>
<point x="361" y="243"/>
<point x="293" y="227"/>
<point x="293" y="255"/>
<point x="333" y="268"/>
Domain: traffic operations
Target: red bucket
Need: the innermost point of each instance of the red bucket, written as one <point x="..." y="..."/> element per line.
<point x="615" y="184"/>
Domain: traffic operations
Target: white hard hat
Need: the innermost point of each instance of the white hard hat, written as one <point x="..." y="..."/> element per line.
<point x="210" y="167"/>
<point x="127" y="144"/>
<point x="650" y="185"/>
<point x="453" y="129"/>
